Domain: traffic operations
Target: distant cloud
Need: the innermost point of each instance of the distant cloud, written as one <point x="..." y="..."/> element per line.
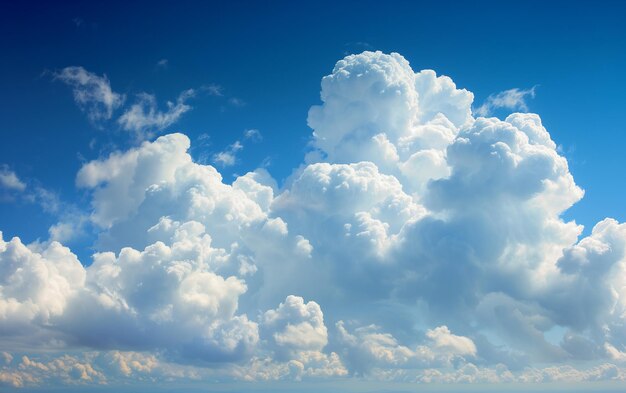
<point x="228" y="157"/>
<point x="34" y="193"/>
<point x="71" y="221"/>
<point x="513" y="99"/>
<point x="78" y="21"/>
<point x="144" y="118"/>
<point x="92" y="93"/>
<point x="213" y="90"/>
<point x="10" y="181"/>
<point x="253" y="135"/>
<point x="163" y="63"/>
<point x="234" y="101"/>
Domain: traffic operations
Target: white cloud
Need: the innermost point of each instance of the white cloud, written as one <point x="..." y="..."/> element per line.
<point x="376" y="108"/>
<point x="71" y="220"/>
<point x="438" y="238"/>
<point x="228" y="157"/>
<point x="253" y="135"/>
<point x="144" y="118"/>
<point x="126" y="367"/>
<point x="48" y="294"/>
<point x="127" y="176"/>
<point x="35" y="286"/>
<point x="92" y="93"/>
<point x="367" y="348"/>
<point x="296" y="326"/>
<point x="512" y="99"/>
<point x="444" y="340"/>
<point x="9" y="180"/>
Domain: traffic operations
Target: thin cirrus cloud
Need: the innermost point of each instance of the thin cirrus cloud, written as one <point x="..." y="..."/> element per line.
<point x="92" y="93"/>
<point x="512" y="99"/>
<point x="144" y="117"/>
<point x="416" y="243"/>
<point x="94" y="96"/>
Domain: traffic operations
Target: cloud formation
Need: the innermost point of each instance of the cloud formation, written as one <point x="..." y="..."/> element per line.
<point x="512" y="99"/>
<point x="92" y="93"/>
<point x="9" y="180"/>
<point x="416" y="243"/>
<point x="144" y="118"/>
<point x="228" y="157"/>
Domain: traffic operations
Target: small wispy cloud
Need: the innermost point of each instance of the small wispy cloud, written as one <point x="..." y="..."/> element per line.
<point x="253" y="134"/>
<point x="92" y="93"/>
<point x="71" y="220"/>
<point x="234" y="101"/>
<point x="31" y="192"/>
<point x="9" y="180"/>
<point x="214" y="89"/>
<point x="163" y="63"/>
<point x="144" y="117"/>
<point x="228" y="157"/>
<point x="513" y="99"/>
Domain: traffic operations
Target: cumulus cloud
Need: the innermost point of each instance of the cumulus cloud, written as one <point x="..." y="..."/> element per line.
<point x="296" y="326"/>
<point x="144" y="117"/>
<point x="92" y="93"/>
<point x="430" y="246"/>
<point x="512" y="99"/>
<point x="368" y="349"/>
<point x="108" y="304"/>
<point x="376" y="108"/>
<point x="124" y="367"/>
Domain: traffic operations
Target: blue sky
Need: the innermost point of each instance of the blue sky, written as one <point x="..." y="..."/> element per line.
<point x="238" y="81"/>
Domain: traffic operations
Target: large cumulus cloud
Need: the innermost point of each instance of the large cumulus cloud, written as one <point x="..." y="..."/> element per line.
<point x="417" y="242"/>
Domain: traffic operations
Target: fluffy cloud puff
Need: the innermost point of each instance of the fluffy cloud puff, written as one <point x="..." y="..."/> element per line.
<point x="480" y="241"/>
<point x="368" y="348"/>
<point x="172" y="292"/>
<point x="375" y="108"/>
<point x="296" y="326"/>
<point x="436" y="236"/>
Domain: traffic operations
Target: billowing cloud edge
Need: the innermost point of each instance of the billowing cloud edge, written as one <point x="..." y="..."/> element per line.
<point x="431" y="240"/>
